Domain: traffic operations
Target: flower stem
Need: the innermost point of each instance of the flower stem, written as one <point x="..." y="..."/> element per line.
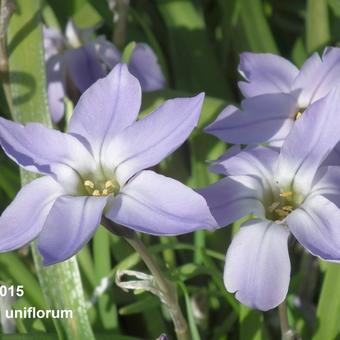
<point x="286" y="332"/>
<point x="167" y="288"/>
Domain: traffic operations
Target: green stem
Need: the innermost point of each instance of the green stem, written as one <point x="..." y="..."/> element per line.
<point x="119" y="35"/>
<point x="168" y="288"/>
<point x="286" y="332"/>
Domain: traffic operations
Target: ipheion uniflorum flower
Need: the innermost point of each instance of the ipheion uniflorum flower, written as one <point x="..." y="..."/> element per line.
<point x="97" y="168"/>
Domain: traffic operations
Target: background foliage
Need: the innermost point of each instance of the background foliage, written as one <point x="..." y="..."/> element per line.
<point x="198" y="44"/>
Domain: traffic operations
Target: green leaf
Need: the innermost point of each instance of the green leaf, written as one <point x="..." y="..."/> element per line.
<point x="317" y="25"/>
<point x="11" y="264"/>
<point x="194" y="62"/>
<point x="195" y="335"/>
<point x="255" y="28"/>
<point x="60" y="283"/>
<point x="102" y="266"/>
<point x="328" y="311"/>
<point x="251" y="324"/>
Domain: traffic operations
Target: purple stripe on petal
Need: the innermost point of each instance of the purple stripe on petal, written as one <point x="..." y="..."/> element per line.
<point x="257" y="265"/>
<point x="158" y="205"/>
<point x="24" y="218"/>
<point x="69" y="226"/>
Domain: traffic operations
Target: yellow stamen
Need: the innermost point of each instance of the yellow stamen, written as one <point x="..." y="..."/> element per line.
<point x="89" y="184"/>
<point x="109" y="184"/>
<point x="96" y="192"/>
<point x="105" y="192"/>
<point x="286" y="194"/>
<point x="273" y="206"/>
<point x="297" y="115"/>
<point x="287" y="208"/>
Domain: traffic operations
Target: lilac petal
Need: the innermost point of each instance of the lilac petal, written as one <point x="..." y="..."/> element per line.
<point x="316" y="226"/>
<point x="107" y="52"/>
<point x="24" y="218"/>
<point x="257" y="265"/>
<point x="232" y="198"/>
<point x="327" y="181"/>
<point x="144" y="66"/>
<point x="304" y="151"/>
<point x="53" y="42"/>
<point x="39" y="149"/>
<point x="106" y="108"/>
<point x="69" y="226"/>
<point x="253" y="161"/>
<point x="154" y="137"/>
<point x="264" y="118"/>
<point x="317" y="77"/>
<point x="266" y="73"/>
<point x="55" y="87"/>
<point x="83" y="66"/>
<point x="217" y="166"/>
<point x="158" y="205"/>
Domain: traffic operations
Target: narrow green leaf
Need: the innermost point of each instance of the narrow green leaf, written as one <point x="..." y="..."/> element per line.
<point x="195" y="335"/>
<point x="251" y="324"/>
<point x="60" y="283"/>
<point x="102" y="266"/>
<point x="12" y="265"/>
<point x="317" y="25"/>
<point x="328" y="311"/>
<point x="193" y="59"/>
<point x="255" y="28"/>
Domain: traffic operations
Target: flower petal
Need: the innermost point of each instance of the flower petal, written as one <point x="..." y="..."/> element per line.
<point x="266" y="73"/>
<point x="253" y="161"/>
<point x="316" y="226"/>
<point x="232" y="198"/>
<point x="154" y="137"/>
<point x="158" y="205"/>
<point x="24" y="218"/>
<point x="145" y="67"/>
<point x="83" y="66"/>
<point x="107" y="52"/>
<point x="318" y="76"/>
<point x="55" y="86"/>
<point x="309" y="143"/>
<point x="69" y="226"/>
<point x="264" y="118"/>
<point x="106" y="108"/>
<point x="257" y="265"/>
<point x="40" y="149"/>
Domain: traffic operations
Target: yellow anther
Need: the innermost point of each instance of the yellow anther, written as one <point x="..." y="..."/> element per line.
<point x="286" y="194"/>
<point x="297" y="115"/>
<point x="273" y="206"/>
<point x="105" y="192"/>
<point x="108" y="185"/>
<point x="89" y="184"/>
<point x="288" y="208"/>
<point x="96" y="193"/>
